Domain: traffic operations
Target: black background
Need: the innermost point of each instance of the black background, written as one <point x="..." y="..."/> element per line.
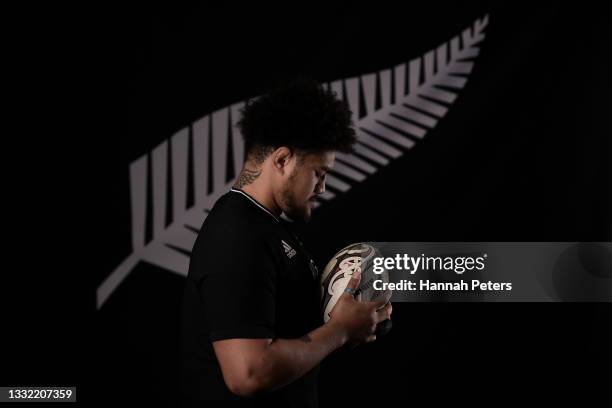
<point x="521" y="156"/>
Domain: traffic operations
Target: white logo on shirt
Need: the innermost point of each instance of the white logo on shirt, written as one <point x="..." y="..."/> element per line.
<point x="290" y="252"/>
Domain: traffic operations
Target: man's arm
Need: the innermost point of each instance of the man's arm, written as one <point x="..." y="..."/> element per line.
<point x="250" y="366"/>
<point x="253" y="365"/>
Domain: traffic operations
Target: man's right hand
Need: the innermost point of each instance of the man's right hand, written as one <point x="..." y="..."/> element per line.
<point x="358" y="320"/>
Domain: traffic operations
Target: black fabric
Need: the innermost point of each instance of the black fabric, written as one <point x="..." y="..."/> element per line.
<point x="249" y="277"/>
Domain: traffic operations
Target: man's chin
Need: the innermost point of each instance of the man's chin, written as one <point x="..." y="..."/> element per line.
<point x="305" y="215"/>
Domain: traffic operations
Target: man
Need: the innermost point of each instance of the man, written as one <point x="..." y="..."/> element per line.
<point x="252" y="329"/>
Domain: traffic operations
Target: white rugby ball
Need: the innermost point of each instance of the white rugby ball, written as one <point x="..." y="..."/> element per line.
<point x="340" y="269"/>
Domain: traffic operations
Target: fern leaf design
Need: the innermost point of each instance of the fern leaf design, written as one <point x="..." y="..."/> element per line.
<point x="413" y="97"/>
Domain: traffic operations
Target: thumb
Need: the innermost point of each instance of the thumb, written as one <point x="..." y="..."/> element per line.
<point x="353" y="284"/>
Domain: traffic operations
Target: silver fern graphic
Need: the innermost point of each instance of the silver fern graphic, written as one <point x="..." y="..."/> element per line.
<point x="413" y="96"/>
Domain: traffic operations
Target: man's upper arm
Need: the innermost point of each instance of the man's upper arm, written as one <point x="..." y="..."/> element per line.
<point x="239" y="289"/>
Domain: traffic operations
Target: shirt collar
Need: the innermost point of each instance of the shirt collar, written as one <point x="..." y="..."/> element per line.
<point x="254" y="201"/>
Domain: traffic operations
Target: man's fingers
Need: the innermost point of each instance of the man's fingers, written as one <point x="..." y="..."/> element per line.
<point x="353" y="284"/>
<point x="387" y="308"/>
<point x="384" y="313"/>
<point x="377" y="305"/>
<point x="381" y="305"/>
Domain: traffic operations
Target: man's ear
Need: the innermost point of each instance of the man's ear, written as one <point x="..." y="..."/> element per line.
<point x="282" y="159"/>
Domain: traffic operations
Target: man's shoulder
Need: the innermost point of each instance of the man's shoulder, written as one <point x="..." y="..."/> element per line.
<point x="233" y="217"/>
<point x="231" y="229"/>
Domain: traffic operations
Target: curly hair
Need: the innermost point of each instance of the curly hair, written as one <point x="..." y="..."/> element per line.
<point x="299" y="114"/>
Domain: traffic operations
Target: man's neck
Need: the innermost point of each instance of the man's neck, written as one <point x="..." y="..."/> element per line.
<point x="263" y="197"/>
<point x="252" y="182"/>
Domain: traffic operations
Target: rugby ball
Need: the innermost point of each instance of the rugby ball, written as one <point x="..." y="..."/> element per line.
<point x="340" y="269"/>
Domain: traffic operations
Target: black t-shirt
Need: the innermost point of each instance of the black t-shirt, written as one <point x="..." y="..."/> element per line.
<point x="249" y="277"/>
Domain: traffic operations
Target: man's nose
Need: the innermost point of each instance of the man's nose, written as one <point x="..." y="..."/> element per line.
<point x="320" y="187"/>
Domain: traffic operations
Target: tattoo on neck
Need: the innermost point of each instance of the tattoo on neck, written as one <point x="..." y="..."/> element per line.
<point x="306" y="338"/>
<point x="246" y="177"/>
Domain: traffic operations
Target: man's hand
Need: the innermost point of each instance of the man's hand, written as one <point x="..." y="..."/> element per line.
<point x="357" y="320"/>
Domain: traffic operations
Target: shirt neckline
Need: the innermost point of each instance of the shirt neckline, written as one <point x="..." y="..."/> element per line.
<point x="254" y="201"/>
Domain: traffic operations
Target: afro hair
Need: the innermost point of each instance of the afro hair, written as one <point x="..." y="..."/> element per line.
<point x="300" y="114"/>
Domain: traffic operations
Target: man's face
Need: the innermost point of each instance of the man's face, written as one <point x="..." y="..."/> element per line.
<point x="306" y="181"/>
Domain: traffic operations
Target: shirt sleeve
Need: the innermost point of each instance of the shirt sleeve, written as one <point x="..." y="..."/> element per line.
<point x="239" y="289"/>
